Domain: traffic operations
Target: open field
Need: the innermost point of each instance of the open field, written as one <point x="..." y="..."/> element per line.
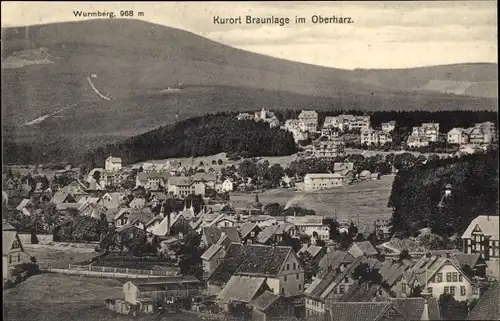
<point x="57" y="255"/>
<point x="61" y="297"/>
<point x="366" y="200"/>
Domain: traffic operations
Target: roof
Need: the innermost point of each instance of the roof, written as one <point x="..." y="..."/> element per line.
<point x="229" y="264"/>
<point x="311" y="249"/>
<point x="335" y="259"/>
<point x="487" y="308"/>
<point x="489" y="225"/>
<point x="159" y="195"/>
<point x="426" y="268"/>
<point x="359" y="311"/>
<point x="413" y="308"/>
<point x="158" y="285"/>
<point x="7" y="227"/>
<point x="114" y="159"/>
<point x="113" y="199"/>
<point x="23" y="204"/>
<point x="210" y="252"/>
<point x="391" y="271"/>
<point x="138" y="202"/>
<point x="8" y="237"/>
<point x="365" y="173"/>
<point x="469" y="259"/>
<point x="266" y="233"/>
<point x="364" y="292"/>
<point x="326" y="284"/>
<point x="337" y="167"/>
<point x="241" y="288"/>
<point x="204" y="177"/>
<point x="308" y="113"/>
<point x="180" y="180"/>
<point x="264" y="301"/>
<point x="366" y="247"/>
<point x="322" y="175"/>
<point x="246" y="228"/>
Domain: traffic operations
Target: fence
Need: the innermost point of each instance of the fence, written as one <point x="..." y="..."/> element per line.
<point x="121" y="270"/>
<point x="109" y="275"/>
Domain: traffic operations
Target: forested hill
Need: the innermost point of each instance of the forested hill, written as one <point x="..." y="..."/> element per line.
<point x="201" y="136"/>
<point x="417" y="192"/>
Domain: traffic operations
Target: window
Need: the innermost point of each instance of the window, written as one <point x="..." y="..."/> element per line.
<point x="448" y="277"/>
<point x="10" y="259"/>
<point x="282" y="291"/>
<point x="300" y="286"/>
<point x="18" y="257"/>
<point x="452" y="290"/>
<point x="285" y="278"/>
<point x="341" y="289"/>
<point x="460" y="278"/>
<point x="462" y="290"/>
<point x="346" y="279"/>
<point x="474" y="290"/>
<point x="440" y="277"/>
<point x="297" y="276"/>
<point x="429" y="289"/>
<point x="252" y="234"/>
<point x="294" y="266"/>
<point x="446" y="290"/>
<point x="287" y="266"/>
<point x="455" y="276"/>
<point x="403" y="288"/>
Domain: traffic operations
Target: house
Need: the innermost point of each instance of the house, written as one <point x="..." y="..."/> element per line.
<point x="214" y="254"/>
<point x="113" y="200"/>
<point x="25" y="207"/>
<point x="67" y="172"/>
<point x="474" y="261"/>
<point x="137" y="203"/>
<point x="249" y="232"/>
<point x="223" y="220"/>
<point x="316" y="252"/>
<point x="482" y="236"/>
<point x="308" y="121"/>
<point x="389" y="126"/>
<point x="366" y="292"/>
<point x="487" y="308"/>
<point x="63" y="199"/>
<point x="208" y="180"/>
<point x="183" y="186"/>
<point x="417" y="141"/>
<point x="269" y="306"/>
<point x="364" y="248"/>
<point x="131" y="216"/>
<point x="363" y="311"/>
<point x="265" y="116"/>
<point x="429" y="131"/>
<point x="274" y="234"/>
<point x="330" y="132"/>
<point x="310" y="225"/>
<point x="293" y="126"/>
<point x="227" y="185"/>
<point x="314" y="182"/>
<point x="149" y="294"/>
<point x="113" y="164"/>
<point x="334" y="259"/>
<point x="331" y="122"/>
<point x="457" y="136"/>
<point x="12" y="249"/>
<point x="329" y="287"/>
<point x="359" y="122"/>
<point x="437" y="275"/>
<point x="172" y="225"/>
<point x="279" y="265"/>
<point x="369" y="137"/>
<point x="90" y="207"/>
<point x="328" y="148"/>
<point x="211" y="234"/>
<point x="152" y="180"/>
<point x="242" y="289"/>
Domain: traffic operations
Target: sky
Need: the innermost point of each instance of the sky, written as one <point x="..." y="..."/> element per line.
<point x="383" y="35"/>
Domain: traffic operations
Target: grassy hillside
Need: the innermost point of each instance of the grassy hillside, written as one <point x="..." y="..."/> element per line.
<point x="46" y="72"/>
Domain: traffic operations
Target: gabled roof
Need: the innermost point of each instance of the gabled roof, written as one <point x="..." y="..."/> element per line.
<point x="266" y="233"/>
<point x="334" y="259"/>
<point x="210" y="252"/>
<point x="114" y="159"/>
<point x="365" y="292"/>
<point x="414" y="308"/>
<point x="426" y="268"/>
<point x="204" y="177"/>
<point x="241" y="288"/>
<point x="361" y="311"/>
<point x="365" y="247"/>
<point x="487" y="308"/>
<point x="229" y="265"/>
<point x="264" y="301"/>
<point x="311" y="249"/>
<point x="246" y="228"/>
<point x="469" y="259"/>
<point x="489" y="225"/>
<point x="138" y="202"/>
<point x="180" y="181"/>
<point x="264" y="260"/>
<point x="25" y="202"/>
<point x="8" y="237"/>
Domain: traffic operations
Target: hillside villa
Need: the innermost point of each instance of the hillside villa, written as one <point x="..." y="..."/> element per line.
<point x="315" y="182"/>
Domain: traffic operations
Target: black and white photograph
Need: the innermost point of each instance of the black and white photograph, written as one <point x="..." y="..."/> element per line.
<point x="250" y="161"/>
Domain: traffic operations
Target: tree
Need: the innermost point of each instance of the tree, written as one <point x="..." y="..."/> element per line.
<point x="352" y="230"/>
<point x="220" y="162"/>
<point x="309" y="265"/>
<point x="273" y="209"/>
<point x="293" y="242"/>
<point x="34" y="238"/>
<point x="452" y="309"/>
<point x="247" y="168"/>
<point x="364" y="273"/>
<point x="333" y="226"/>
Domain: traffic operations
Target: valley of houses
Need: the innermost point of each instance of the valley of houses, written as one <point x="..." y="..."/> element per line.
<point x="245" y="267"/>
<point x="336" y="131"/>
